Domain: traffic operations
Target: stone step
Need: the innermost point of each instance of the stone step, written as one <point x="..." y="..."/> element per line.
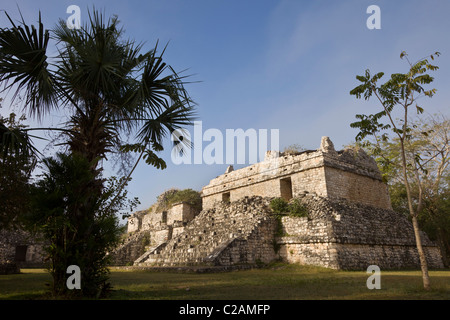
<point x="209" y="234"/>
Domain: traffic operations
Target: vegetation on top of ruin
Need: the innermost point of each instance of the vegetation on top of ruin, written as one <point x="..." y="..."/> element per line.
<point x="280" y="208"/>
<point x="172" y="196"/>
<point x="293" y="149"/>
<point x="292" y="208"/>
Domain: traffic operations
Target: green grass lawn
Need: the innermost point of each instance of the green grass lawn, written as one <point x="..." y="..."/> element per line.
<point x="277" y="282"/>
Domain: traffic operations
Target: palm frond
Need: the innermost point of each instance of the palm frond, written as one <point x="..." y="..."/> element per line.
<point x="15" y="142"/>
<point x="174" y="117"/>
<point x="24" y="66"/>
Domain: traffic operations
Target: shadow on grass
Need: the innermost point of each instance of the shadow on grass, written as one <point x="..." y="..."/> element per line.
<point x="276" y="282"/>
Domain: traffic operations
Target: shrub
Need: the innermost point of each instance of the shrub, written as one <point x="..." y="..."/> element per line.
<point x="296" y="209"/>
<point x="172" y="196"/>
<point x="187" y="195"/>
<point x="279" y="205"/>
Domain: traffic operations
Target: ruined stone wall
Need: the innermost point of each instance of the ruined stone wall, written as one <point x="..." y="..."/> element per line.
<point x="355" y="176"/>
<point x="231" y="233"/>
<point x="144" y="220"/>
<point x="263" y="179"/>
<point x="256" y="248"/>
<point x="135" y="221"/>
<point x="344" y="235"/>
<point x="337" y="233"/>
<point x="130" y="249"/>
<point x="345" y="174"/>
<point x="180" y="212"/>
<point x="21" y="248"/>
<point x="152" y="220"/>
<point x="307" y="240"/>
<point x="162" y="235"/>
<point x="323" y="254"/>
<point x="178" y="227"/>
<point x="356" y="188"/>
<point x="385" y="256"/>
<point x="311" y="180"/>
<point x="151" y="229"/>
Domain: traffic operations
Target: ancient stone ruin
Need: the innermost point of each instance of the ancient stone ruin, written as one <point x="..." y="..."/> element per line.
<point x="349" y="224"/>
<point x="152" y="230"/>
<point x="20" y="249"/>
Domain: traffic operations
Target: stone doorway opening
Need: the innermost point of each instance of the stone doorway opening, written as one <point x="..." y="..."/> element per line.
<point x="21" y="253"/>
<point x="226" y="197"/>
<point x="286" y="188"/>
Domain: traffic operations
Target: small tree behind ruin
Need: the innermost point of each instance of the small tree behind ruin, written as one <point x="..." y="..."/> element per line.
<point x="399" y="94"/>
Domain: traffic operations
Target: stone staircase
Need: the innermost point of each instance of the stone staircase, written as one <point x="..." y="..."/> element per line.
<point x="131" y="248"/>
<point x="221" y="235"/>
<point x="151" y="255"/>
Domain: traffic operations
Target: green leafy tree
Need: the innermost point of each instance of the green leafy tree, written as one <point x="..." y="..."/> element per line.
<point x="119" y="98"/>
<point x="399" y="94"/>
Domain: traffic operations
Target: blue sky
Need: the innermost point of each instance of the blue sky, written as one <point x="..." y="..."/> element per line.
<point x="286" y="65"/>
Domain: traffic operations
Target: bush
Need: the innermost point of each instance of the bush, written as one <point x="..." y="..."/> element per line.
<point x="296" y="209"/>
<point x="168" y="198"/>
<point x="279" y="205"/>
<point x="190" y="196"/>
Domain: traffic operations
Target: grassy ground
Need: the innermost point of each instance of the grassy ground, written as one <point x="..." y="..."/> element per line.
<point x="277" y="282"/>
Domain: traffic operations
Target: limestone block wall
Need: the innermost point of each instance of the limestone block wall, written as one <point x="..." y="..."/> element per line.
<point x="258" y="247"/>
<point x="355" y="176"/>
<point x="130" y="249"/>
<point x="310" y="180"/>
<point x="385" y="256"/>
<point x="323" y="254"/>
<point x="180" y="212"/>
<point x="21" y="248"/>
<point x="340" y="234"/>
<point x="152" y="220"/>
<point x="356" y="188"/>
<point x="336" y="174"/>
<point x="144" y="220"/>
<point x="178" y="227"/>
<point x="307" y="240"/>
<point x="305" y="172"/>
<point x="134" y="223"/>
<point x="231" y="233"/>
<point x="153" y="229"/>
<point x="161" y="236"/>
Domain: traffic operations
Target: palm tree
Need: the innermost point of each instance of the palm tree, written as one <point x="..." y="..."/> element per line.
<point x="119" y="98"/>
<point x="112" y="89"/>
